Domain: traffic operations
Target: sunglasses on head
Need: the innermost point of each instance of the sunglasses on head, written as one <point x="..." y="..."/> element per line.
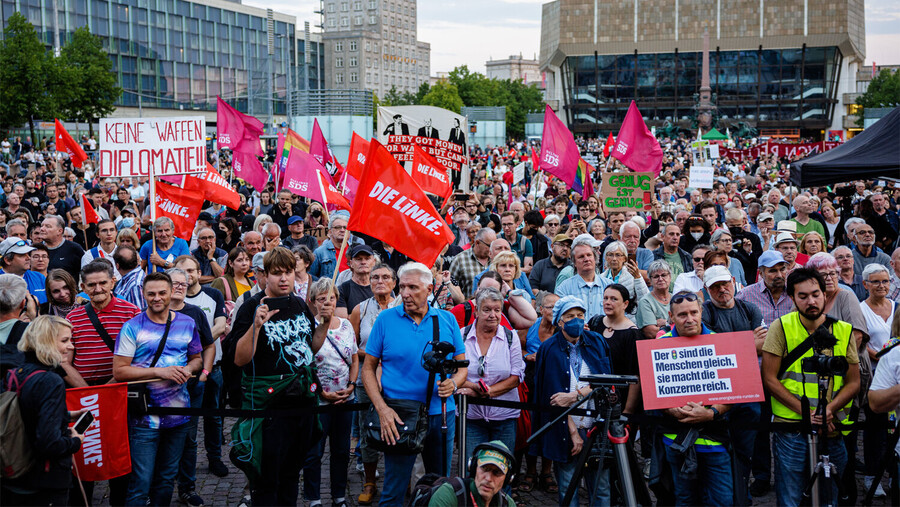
<point x="683" y="296"/>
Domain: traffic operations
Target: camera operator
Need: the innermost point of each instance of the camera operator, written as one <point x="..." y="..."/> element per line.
<point x="805" y="333"/>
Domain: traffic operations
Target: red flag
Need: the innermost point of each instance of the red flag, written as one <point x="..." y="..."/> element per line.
<point x="610" y="142"/>
<point x="105" y="453"/>
<point x="286" y="142"/>
<point x="535" y="161"/>
<point x="64" y="142"/>
<point x="181" y="205"/>
<point x="248" y="168"/>
<point x="214" y="187"/>
<point x="392" y="207"/>
<point x="430" y="174"/>
<point x="333" y="196"/>
<point x="635" y="145"/>
<point x="318" y="148"/>
<point x="88" y="214"/>
<point x="559" y="153"/>
<point x="359" y="147"/>
<point x="236" y="130"/>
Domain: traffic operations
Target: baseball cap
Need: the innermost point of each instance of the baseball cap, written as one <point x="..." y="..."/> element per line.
<point x="784" y="237"/>
<point x="15" y="245"/>
<point x="716" y="274"/>
<point x="565" y="304"/>
<point x="488" y="456"/>
<point x="294" y="219"/>
<point x="258" y="258"/>
<point x="770" y="258"/>
<point x="765" y="215"/>
<point x="358" y="249"/>
<point x="561" y="237"/>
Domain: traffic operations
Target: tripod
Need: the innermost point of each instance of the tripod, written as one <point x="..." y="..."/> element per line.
<point x="819" y="459"/>
<point x="611" y="425"/>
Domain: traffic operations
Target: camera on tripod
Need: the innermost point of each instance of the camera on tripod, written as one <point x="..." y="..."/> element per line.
<point x="437" y="361"/>
<point x="825" y="366"/>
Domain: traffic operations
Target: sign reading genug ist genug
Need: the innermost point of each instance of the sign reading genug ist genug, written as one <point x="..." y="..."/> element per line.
<point x="130" y="146"/>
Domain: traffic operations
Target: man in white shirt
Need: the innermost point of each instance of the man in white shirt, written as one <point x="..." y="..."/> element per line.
<point x="106" y="232"/>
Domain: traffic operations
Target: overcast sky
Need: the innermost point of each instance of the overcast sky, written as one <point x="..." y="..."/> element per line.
<point x="470" y="32"/>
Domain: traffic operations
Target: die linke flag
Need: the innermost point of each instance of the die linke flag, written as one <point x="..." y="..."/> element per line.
<point x="610" y="142"/>
<point x="64" y="142"/>
<point x="391" y="206"/>
<point x="559" y="153"/>
<point x="319" y="149"/>
<point x="236" y="130"/>
<point x="214" y="187"/>
<point x="430" y="174"/>
<point x="636" y="147"/>
<point x="88" y="213"/>
<point x="105" y="453"/>
<point x="181" y="205"/>
<point x="359" y="148"/>
<point x="303" y="177"/>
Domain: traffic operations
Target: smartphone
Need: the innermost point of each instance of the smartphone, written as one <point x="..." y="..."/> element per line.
<point x="279" y="303"/>
<point x="483" y="385"/>
<point x="461" y="197"/>
<point x="84" y="422"/>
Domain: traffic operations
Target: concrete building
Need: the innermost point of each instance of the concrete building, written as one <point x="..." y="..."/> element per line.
<point x="175" y="56"/>
<point x="373" y="45"/>
<point x="777" y="65"/>
<point x="516" y="68"/>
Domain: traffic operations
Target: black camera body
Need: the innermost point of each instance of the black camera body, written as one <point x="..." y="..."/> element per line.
<point x="439" y="360"/>
<point x="825" y="366"/>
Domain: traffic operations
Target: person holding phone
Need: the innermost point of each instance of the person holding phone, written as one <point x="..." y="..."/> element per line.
<point x="46" y="344"/>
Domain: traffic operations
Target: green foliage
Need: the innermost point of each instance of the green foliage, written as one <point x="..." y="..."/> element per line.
<point x="28" y="73"/>
<point x="883" y="91"/>
<point x="422" y="92"/>
<point x="91" y="85"/>
<point x="477" y="90"/>
<point x="443" y="95"/>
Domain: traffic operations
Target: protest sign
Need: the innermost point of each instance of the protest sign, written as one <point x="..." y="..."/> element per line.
<point x="628" y="191"/>
<point x="130" y="146"/>
<point x="440" y="133"/>
<point x="708" y="369"/>
<point x="105" y="453"/>
<point x="701" y="176"/>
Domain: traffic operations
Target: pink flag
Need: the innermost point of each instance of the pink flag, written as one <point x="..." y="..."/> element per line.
<point x="300" y="176"/>
<point x="559" y="153"/>
<point x="636" y="147"/>
<point x="248" y="168"/>
<point x="236" y="130"/>
<point x="318" y="148"/>
<point x="349" y="187"/>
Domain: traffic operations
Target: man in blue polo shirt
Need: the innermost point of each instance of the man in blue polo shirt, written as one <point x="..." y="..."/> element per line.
<point x="398" y="338"/>
<point x="15" y="259"/>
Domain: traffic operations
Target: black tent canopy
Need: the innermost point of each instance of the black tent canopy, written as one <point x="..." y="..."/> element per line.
<point x="873" y="153"/>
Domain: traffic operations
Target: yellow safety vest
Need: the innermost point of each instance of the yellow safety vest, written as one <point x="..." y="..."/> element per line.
<point x="799" y="383"/>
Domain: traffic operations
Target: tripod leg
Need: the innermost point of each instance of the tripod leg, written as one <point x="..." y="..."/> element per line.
<point x="625" y="474"/>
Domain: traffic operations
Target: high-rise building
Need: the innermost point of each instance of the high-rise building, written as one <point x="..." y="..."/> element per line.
<point x="373" y="45"/>
<point x="776" y="65"/>
<point x="180" y="54"/>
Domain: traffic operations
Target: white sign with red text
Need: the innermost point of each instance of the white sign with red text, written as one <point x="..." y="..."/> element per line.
<point x="130" y="146"/>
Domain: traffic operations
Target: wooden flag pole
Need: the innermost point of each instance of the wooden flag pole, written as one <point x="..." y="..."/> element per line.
<point x="340" y="256"/>
<point x="152" y="215"/>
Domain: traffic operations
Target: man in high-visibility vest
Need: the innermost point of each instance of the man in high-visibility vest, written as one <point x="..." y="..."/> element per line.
<point x="695" y="434"/>
<point x="786" y="345"/>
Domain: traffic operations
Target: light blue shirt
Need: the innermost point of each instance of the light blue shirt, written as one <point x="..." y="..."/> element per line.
<point x="591" y="294"/>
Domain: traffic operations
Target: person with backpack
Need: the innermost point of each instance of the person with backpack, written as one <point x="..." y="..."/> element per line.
<point x="13" y="294"/>
<point x="491" y="467"/>
<point x="495" y="370"/>
<point x="45" y="435"/>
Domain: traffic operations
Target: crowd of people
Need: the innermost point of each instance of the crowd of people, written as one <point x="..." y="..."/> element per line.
<point x="539" y="287"/>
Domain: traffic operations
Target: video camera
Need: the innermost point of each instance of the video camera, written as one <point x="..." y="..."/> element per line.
<point x="437" y="361"/>
<point x="820" y="364"/>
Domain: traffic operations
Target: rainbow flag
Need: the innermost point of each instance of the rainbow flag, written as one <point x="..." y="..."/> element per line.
<point x="286" y="143"/>
<point x="583" y="184"/>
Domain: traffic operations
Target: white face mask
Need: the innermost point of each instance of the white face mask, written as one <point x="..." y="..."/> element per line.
<point x="697" y="235"/>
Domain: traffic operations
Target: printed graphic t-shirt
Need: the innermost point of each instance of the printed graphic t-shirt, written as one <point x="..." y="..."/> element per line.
<point x="283" y="345"/>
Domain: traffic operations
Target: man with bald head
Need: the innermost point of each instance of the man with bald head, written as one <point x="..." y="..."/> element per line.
<point x="467" y="265"/>
<point x="252" y="242"/>
<point x="805" y="223"/>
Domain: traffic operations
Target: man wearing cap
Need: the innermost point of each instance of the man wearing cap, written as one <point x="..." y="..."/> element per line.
<point x="707" y="453"/>
<point x="106" y="231"/>
<point x="15" y="259"/>
<point x="787" y="245"/>
<point x="587" y="284"/>
<point x="570" y="353"/>
<point x="543" y="274"/>
<point x="765" y="223"/>
<point x="492" y="462"/>
<point x="357" y="289"/>
<point x="208" y="255"/>
<point x="297" y="237"/>
<point x="768" y="293"/>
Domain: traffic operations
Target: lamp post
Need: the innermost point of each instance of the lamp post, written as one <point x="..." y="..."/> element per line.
<point x="288" y="101"/>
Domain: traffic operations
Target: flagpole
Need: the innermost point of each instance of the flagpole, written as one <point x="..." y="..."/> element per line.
<point x="337" y="264"/>
<point x="152" y="215"/>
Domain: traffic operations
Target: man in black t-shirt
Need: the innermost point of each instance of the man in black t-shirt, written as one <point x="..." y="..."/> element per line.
<point x="357" y="288"/>
<point x="64" y="254"/>
<point x="281" y="339"/>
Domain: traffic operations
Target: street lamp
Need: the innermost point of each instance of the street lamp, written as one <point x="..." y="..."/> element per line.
<point x="287" y="76"/>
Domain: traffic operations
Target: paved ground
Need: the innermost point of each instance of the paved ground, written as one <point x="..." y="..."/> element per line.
<point x="230" y="490"/>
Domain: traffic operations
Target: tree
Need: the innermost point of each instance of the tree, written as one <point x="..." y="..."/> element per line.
<point x="444" y="95"/>
<point x="87" y="72"/>
<point x="523" y="100"/>
<point x="28" y="73"/>
<point x="883" y="91"/>
<point x="422" y="92"/>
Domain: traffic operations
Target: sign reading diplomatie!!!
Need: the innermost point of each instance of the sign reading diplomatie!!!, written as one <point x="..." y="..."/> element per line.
<point x="129" y="147"/>
<point x="707" y="369"/>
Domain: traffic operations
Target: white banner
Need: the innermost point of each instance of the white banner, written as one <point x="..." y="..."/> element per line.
<point x="701" y="176"/>
<point x="518" y="172"/>
<point x="130" y="146"/>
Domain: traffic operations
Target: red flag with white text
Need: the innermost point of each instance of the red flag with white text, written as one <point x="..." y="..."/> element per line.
<point x="559" y="153"/>
<point x="105" y="453"/>
<point x="391" y="206"/>
<point x="430" y="174"/>
<point x="214" y="187"/>
<point x="359" y="148"/>
<point x="236" y="130"/>
<point x="88" y="213"/>
<point x="181" y="205"/>
<point x="64" y="142"/>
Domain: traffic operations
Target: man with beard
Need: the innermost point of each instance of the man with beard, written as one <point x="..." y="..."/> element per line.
<point x="545" y="271"/>
<point x="865" y="252"/>
<point x="791" y="338"/>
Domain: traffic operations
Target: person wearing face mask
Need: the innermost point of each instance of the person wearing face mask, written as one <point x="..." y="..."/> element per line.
<point x="562" y="359"/>
<point x="696" y="231"/>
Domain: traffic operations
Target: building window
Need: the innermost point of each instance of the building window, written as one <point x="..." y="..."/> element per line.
<point x="339" y="78"/>
<point x="331" y="7"/>
<point x="345" y="21"/>
<point x="353" y="45"/>
<point x="339" y="46"/>
<point x="332" y="23"/>
<point x="357" y="5"/>
<point x="353" y="61"/>
<point x="345" y="6"/>
<point x="373" y="4"/>
<point x="339" y="62"/>
<point x="373" y="20"/>
<point x="368" y="46"/>
<point x="354" y="77"/>
<point x="368" y="78"/>
<point x="357" y="20"/>
<point x="385" y="35"/>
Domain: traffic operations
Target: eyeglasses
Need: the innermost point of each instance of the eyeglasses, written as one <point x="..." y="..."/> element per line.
<point x="661" y="276"/>
<point x="481" y="361"/>
<point x="683" y="296"/>
<point x="878" y="282"/>
<point x="830" y="274"/>
<point x="179" y="285"/>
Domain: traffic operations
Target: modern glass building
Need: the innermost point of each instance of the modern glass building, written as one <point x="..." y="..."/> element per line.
<point x="177" y="54"/>
<point x="776" y="65"/>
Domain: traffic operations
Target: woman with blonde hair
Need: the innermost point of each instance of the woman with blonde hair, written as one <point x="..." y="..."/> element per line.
<point x="507" y="265"/>
<point x="46" y="344"/>
<point x="128" y="237"/>
<point x="812" y="243"/>
<point x="261" y="222"/>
